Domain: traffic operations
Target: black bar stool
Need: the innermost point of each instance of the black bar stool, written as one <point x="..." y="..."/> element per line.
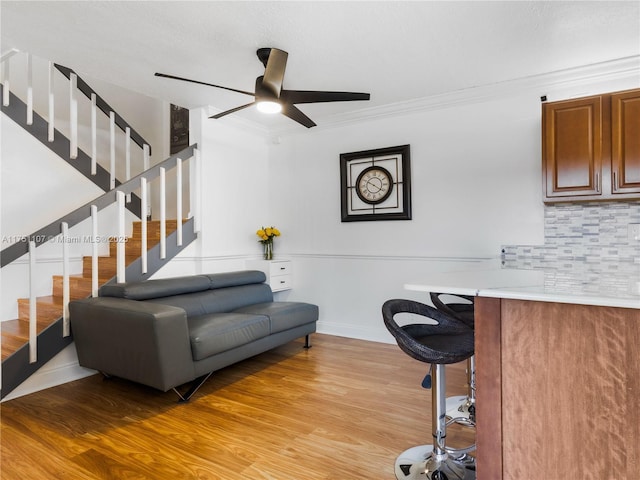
<point x="448" y="341"/>
<point x="461" y="408"/>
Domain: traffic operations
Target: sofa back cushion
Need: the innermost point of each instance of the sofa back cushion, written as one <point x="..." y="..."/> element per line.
<point x="163" y="287"/>
<point x="235" y="279"/>
<point x="167" y="287"/>
<point x="219" y="300"/>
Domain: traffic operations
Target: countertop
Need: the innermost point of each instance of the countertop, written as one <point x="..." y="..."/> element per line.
<point x="605" y="283"/>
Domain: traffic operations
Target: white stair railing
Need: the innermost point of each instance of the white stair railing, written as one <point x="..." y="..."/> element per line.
<point x="69" y="232"/>
<point x="119" y="158"/>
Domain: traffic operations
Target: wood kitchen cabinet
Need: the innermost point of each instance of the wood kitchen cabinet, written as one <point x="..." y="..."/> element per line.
<point x="591" y="148"/>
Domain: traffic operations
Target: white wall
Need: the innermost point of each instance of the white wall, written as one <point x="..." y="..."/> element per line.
<point x="475" y="176"/>
<point x="235" y="185"/>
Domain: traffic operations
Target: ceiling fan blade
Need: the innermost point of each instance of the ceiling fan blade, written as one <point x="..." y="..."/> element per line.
<point x="295" y="114"/>
<point x="164" y="75"/>
<point x="274" y="71"/>
<point x="233" y="110"/>
<point x="311" y="96"/>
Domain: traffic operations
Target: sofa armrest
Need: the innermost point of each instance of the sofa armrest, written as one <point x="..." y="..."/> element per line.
<point x="144" y="342"/>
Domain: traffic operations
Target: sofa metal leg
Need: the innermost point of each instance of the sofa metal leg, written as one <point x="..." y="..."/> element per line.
<point x="195" y="385"/>
<point x="307" y="343"/>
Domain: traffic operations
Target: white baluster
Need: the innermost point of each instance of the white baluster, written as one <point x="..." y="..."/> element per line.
<point x="179" y="201"/>
<point x="194" y="188"/>
<point x="6" y="83"/>
<point x="143" y="225"/>
<point x="29" y="89"/>
<point x="65" y="280"/>
<point x="94" y="134"/>
<point x="112" y="158"/>
<point x="145" y="158"/>
<point x="4" y="59"/>
<point x="163" y="214"/>
<point x="127" y="158"/>
<point x="94" y="251"/>
<point x="120" y="252"/>
<point x="73" y="115"/>
<point x="145" y="166"/>
<point x="33" y="314"/>
<point x="51" y="127"/>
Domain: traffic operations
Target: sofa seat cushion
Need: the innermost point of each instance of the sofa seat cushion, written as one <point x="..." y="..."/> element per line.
<point x="218" y="332"/>
<point x="283" y="315"/>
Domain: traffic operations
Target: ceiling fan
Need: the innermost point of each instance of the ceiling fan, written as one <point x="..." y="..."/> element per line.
<point x="269" y="95"/>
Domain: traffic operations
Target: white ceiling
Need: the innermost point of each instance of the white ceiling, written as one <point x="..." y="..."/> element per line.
<point x="397" y="51"/>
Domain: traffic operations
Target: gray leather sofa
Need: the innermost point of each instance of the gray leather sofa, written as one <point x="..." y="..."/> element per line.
<point x="168" y="332"/>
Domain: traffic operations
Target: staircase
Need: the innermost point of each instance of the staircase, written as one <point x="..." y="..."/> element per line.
<point x="15" y="333"/>
<point x="21" y="352"/>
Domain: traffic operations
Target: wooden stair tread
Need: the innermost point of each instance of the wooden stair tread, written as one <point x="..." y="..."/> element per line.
<point x="15" y="327"/>
<point x="51" y="300"/>
<point x="15" y="334"/>
<point x="78" y="281"/>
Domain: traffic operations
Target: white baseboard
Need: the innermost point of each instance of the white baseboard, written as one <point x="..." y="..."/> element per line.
<point x="351" y="331"/>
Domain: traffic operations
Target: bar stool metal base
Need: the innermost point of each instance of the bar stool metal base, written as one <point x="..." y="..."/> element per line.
<point x="462" y="409"/>
<point x="420" y="463"/>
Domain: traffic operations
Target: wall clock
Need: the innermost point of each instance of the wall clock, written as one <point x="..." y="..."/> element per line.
<point x="376" y="184"/>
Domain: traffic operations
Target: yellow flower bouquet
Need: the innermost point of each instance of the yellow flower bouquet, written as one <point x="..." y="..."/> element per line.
<point x="266" y="239"/>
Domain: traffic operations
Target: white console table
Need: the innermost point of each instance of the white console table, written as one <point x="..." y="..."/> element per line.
<point x="279" y="272"/>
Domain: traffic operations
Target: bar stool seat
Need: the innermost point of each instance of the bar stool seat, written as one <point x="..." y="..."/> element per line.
<point x="448" y="341"/>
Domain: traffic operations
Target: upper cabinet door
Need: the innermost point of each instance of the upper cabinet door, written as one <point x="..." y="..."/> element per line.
<point x="625" y="142"/>
<point x="572" y="150"/>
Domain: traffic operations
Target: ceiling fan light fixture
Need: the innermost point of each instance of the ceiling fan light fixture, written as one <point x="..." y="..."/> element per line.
<point x="269" y="106"/>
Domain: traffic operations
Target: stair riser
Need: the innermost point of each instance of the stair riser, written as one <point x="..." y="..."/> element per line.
<point x="133" y="247"/>
<point x="153" y="228"/>
<point x="106" y="267"/>
<point x="79" y="287"/>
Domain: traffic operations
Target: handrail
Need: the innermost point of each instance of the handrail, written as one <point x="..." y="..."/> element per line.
<point x="18" y="249"/>
<point x="60" y="146"/>
<point x="104" y="106"/>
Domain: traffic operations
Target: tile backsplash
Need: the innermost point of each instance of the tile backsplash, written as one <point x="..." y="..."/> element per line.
<point x="590" y="232"/>
<point x="586" y="250"/>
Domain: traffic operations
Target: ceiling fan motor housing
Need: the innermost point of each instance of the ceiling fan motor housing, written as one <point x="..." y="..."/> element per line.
<point x="263" y="55"/>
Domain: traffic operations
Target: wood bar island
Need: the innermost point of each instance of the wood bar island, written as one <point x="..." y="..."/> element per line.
<point x="557" y="373"/>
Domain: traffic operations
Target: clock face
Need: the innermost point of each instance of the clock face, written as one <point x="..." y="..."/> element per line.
<point x="374" y="185"/>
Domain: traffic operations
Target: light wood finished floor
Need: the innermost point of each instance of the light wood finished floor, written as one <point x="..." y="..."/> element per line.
<point x="342" y="410"/>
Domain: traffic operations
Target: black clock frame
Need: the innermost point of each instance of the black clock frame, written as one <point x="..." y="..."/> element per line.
<point x="359" y="179"/>
<point x="403" y="152"/>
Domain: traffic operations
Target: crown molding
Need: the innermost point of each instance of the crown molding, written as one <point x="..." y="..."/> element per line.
<point x="628" y="67"/>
